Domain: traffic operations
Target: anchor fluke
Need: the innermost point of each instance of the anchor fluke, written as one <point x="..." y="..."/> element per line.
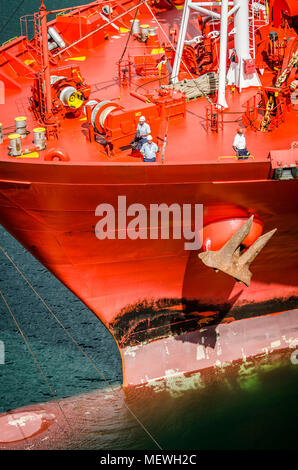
<point x="229" y="258"/>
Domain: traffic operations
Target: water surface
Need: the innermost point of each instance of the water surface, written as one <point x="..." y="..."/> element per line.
<point x="250" y="406"/>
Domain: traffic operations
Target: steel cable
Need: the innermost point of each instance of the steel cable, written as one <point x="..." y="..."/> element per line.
<point x="34" y="358"/>
<point x="11" y="16"/>
<point x="77" y="345"/>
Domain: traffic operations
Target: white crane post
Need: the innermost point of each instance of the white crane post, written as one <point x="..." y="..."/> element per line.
<point x="180" y="44"/>
<point x="241" y="23"/>
<point x="223" y="54"/>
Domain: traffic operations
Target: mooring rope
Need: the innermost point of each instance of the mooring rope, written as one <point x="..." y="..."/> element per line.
<point x="77" y="345"/>
<point x="35" y="360"/>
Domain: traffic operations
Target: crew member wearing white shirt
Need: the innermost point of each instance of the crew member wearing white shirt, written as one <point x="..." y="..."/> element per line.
<point x="149" y="150"/>
<point x="239" y="145"/>
<point x="143" y="130"/>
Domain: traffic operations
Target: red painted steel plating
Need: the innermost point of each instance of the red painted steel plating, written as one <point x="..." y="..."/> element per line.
<point x="150" y="290"/>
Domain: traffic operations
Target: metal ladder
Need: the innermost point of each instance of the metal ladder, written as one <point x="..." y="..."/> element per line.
<point x="251" y="22"/>
<point x="258" y="16"/>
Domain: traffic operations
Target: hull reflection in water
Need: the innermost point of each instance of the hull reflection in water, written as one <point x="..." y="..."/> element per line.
<point x="234" y="406"/>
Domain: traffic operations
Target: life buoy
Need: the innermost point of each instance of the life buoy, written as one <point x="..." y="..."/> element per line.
<point x="56" y="154"/>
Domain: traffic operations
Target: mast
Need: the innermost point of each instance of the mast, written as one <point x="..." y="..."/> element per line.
<point x="46" y="79"/>
<point x="221" y="100"/>
<point x="236" y="74"/>
<point x="201" y="7"/>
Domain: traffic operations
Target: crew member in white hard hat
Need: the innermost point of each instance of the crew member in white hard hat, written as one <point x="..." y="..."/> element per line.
<point x="239" y="145"/>
<point x="149" y="150"/>
<point x="143" y="130"/>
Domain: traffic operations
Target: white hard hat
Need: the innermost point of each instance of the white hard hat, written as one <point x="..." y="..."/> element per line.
<point x="149" y="137"/>
<point x="142" y="119"/>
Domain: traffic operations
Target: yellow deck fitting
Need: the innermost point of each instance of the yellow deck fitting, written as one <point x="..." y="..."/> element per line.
<point x="29" y="61"/>
<point x="14" y="136"/>
<point x="157" y="51"/>
<point x="81" y="59"/>
<point x="229" y="156"/>
<point x="39" y="129"/>
<point x="29" y="155"/>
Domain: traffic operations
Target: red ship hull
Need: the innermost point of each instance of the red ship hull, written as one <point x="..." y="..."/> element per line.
<point x="126" y="283"/>
<point x="147" y="291"/>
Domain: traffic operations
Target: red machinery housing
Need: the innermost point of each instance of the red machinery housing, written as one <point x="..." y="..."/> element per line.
<point x="68" y="92"/>
<point x="116" y="125"/>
